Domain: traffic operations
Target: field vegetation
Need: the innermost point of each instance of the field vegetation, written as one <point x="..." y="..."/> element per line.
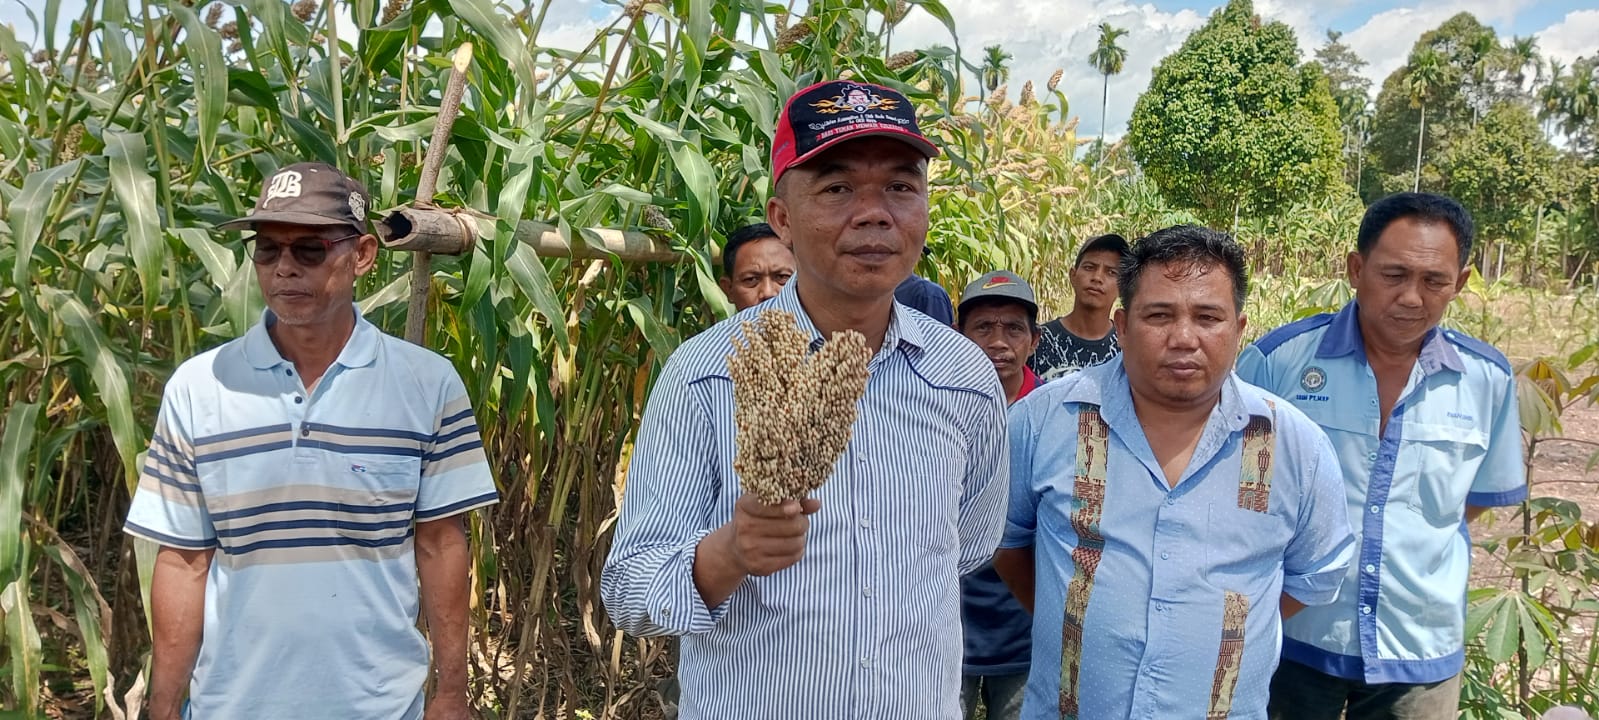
<point x="122" y="144"/>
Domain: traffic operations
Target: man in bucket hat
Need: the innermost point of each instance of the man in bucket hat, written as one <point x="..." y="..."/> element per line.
<point x="846" y="603"/>
<point x="303" y="481"/>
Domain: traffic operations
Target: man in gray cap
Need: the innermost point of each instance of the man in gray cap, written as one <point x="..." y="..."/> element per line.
<point x="998" y="312"/>
<point x="303" y="482"/>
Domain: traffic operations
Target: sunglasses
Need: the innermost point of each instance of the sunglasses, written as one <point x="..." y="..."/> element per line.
<point x="306" y="254"/>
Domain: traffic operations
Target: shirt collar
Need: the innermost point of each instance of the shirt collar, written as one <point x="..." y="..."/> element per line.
<point x="1343" y="338"/>
<point x="902" y="328"/>
<point x="359" y="351"/>
<point x="1029" y="382"/>
<point x="1106" y="386"/>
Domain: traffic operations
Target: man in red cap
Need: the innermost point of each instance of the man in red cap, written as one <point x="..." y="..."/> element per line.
<point x="847" y="603"/>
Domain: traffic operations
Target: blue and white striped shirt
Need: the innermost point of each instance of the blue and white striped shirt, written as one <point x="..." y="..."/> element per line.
<point x="867" y="624"/>
<point x="310" y="501"/>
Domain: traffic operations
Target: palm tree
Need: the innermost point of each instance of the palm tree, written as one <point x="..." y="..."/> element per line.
<point x="996" y="70"/>
<point x="1426" y="77"/>
<point x="1108" y="58"/>
<point x="1523" y="54"/>
<point x="1552" y="96"/>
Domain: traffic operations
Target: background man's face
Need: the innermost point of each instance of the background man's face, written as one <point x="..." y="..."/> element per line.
<point x="1004" y="334"/>
<point x="760" y="269"/>
<point x="308" y="295"/>
<point x="1406" y="282"/>
<point x="1094" y="280"/>
<point x="1180" y="337"/>
<point x="856" y="218"/>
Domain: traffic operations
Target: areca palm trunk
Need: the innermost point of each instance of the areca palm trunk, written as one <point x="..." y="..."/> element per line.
<point x="1104" y="99"/>
<point x="1421" y="138"/>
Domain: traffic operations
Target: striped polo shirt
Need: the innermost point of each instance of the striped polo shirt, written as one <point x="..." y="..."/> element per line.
<point x="310" y="500"/>
<point x="867" y="624"/>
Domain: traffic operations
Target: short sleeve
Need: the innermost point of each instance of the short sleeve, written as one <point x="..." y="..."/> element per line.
<point x="1502" y="477"/>
<point x="169" y="505"/>
<point x="1021" y="519"/>
<point x="1319" y="554"/>
<point x="455" y="472"/>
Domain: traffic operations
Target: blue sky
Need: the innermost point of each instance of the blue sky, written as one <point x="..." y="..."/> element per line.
<point x="1044" y="35"/>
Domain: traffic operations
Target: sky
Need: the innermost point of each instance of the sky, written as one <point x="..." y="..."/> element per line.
<point x="1045" y="35"/>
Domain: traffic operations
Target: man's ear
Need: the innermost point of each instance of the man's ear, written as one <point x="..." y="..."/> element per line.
<point x="726" y="283"/>
<point x="366" y="254"/>
<point x="777" y="217"/>
<point x="1119" y="319"/>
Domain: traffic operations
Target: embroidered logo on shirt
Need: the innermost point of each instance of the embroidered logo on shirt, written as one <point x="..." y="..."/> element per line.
<point x="1088" y="505"/>
<point x="358" y="468"/>
<point x="1230" y="656"/>
<point x="1254" y="477"/>
<point x="1313" y="379"/>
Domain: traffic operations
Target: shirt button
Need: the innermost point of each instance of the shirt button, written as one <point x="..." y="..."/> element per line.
<point x="1371" y="456"/>
<point x="289" y="372"/>
<point x="1374" y="510"/>
<point x="305" y="431"/>
<point x="1165" y="556"/>
<point x="666" y="612"/>
<point x="1171" y="501"/>
<point x="298" y="399"/>
<point x="1371" y="568"/>
<point x="866" y="591"/>
<point x="1373" y="402"/>
<point x="1365" y="609"/>
<point x="866" y="662"/>
<point x="866" y="522"/>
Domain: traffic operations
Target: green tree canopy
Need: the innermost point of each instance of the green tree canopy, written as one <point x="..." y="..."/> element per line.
<point x="1502" y="170"/>
<point x="1234" y="124"/>
<point x="1455" y="63"/>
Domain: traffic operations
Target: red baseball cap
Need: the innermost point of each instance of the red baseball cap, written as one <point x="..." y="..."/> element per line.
<point x="831" y="112"/>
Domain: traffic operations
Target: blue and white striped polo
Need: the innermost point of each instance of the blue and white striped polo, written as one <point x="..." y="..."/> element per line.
<point x="310" y="500"/>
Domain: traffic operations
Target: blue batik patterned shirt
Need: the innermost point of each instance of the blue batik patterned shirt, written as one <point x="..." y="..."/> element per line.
<point x="1452" y="440"/>
<point x="867" y="624"/>
<point x="1157" y="602"/>
<point x="310" y="500"/>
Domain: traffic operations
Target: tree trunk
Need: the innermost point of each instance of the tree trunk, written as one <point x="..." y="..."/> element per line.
<point x="1104" y="97"/>
<point x="1421" y="138"/>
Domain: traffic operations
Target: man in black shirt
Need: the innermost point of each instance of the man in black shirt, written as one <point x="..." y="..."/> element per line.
<point x="1084" y="336"/>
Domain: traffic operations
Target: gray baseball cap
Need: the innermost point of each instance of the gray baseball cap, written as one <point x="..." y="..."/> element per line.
<point x="309" y="193"/>
<point x="1000" y="284"/>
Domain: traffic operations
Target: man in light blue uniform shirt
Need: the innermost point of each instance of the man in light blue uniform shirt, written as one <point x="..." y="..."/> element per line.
<point x="845" y="604"/>
<point x="1162" y="511"/>
<point x="1426" y="427"/>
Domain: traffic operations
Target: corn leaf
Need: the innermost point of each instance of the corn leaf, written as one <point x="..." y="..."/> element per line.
<point x="135" y="192"/>
<point x="15" y="440"/>
<point x="110" y="375"/>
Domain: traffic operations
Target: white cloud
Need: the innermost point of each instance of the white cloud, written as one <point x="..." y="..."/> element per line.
<point x="1045" y="35"/>
<point x="1575" y="36"/>
<point x="1385" y="39"/>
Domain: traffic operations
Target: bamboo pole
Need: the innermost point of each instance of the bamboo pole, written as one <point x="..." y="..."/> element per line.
<point x="455" y="232"/>
<point x="422" y="263"/>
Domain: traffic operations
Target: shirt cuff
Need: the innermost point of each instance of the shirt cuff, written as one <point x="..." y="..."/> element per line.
<point x="674" y="603"/>
<point x="1497" y="499"/>
<point x="1318" y="588"/>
